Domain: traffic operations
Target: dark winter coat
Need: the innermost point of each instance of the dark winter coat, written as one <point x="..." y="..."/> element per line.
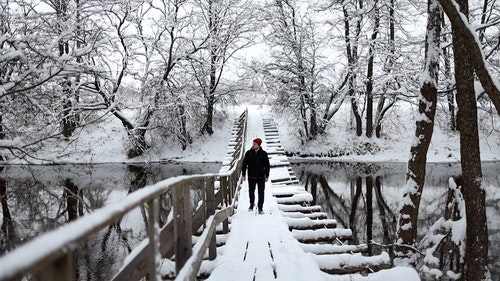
<point x="257" y="163"/>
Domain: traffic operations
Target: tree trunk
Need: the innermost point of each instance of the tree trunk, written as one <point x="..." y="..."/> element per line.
<point x="352" y="59"/>
<point x="183" y="134"/>
<point x="7" y="222"/>
<point x="69" y="116"/>
<point x="355" y="200"/>
<point x="71" y="199"/>
<point x="209" y="98"/>
<point x="476" y="249"/>
<point x="208" y="125"/>
<point x="137" y="134"/>
<point x="415" y="175"/>
<point x="450" y="95"/>
<point x="369" y="212"/>
<point x="369" y="101"/>
<point x="2" y="135"/>
<point x="357" y="117"/>
<point x="313" y="120"/>
<point x="369" y="75"/>
<point x="381" y="108"/>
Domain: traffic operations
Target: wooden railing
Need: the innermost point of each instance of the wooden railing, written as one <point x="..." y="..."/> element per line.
<point x="50" y="256"/>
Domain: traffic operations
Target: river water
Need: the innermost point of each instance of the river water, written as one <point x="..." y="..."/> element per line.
<point x="371" y="210"/>
<point x="39" y="198"/>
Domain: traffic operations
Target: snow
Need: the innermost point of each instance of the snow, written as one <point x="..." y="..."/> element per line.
<point x="261" y="232"/>
<point x="105" y="142"/>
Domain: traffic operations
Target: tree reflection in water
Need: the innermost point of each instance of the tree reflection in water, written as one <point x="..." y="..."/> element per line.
<point x="365" y="198"/>
<point x="37" y="199"/>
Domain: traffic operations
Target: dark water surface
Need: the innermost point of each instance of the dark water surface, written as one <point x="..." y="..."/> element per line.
<point x="36" y="199"/>
<point x="372" y="213"/>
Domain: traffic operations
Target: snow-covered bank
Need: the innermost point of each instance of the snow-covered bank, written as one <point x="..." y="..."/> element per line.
<point x="105" y="143"/>
<point x="341" y="143"/>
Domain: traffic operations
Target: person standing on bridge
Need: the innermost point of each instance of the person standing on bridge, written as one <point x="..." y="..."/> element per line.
<point x="257" y="163"/>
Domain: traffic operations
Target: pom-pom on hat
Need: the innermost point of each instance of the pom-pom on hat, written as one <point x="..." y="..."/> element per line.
<point x="257" y="141"/>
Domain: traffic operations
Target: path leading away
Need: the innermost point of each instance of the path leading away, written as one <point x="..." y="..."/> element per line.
<point x="261" y="247"/>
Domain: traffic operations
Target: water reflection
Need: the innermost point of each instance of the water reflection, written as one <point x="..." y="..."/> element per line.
<point x="365" y="197"/>
<point x="36" y="199"/>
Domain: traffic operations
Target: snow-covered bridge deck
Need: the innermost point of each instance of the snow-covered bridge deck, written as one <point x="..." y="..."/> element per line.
<point x="293" y="239"/>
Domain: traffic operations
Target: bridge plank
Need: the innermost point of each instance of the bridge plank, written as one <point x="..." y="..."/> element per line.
<point x="352" y="263"/>
<point x="298" y="198"/>
<point x="324" y="249"/>
<point x="316" y="235"/>
<point x="299" y="208"/>
<point x="307" y="223"/>
<point x="314" y="216"/>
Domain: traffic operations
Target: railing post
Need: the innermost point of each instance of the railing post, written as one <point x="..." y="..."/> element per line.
<point x="224" y="183"/>
<point x="230" y="193"/>
<point x="182" y="224"/>
<point x="211" y="206"/>
<point x="154" y="239"/>
<point x="223" y="187"/>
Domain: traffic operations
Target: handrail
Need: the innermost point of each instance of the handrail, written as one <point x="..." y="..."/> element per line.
<point x="49" y="256"/>
<point x="192" y="266"/>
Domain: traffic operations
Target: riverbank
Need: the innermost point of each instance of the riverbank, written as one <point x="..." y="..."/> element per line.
<point x="341" y="144"/>
<point x="95" y="144"/>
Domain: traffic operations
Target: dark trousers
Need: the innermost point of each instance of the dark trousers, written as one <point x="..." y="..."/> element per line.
<point x="261" y="184"/>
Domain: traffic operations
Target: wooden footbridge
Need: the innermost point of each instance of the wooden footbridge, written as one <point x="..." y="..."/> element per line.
<point x="195" y="240"/>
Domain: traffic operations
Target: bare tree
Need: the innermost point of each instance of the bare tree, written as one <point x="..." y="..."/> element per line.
<point x="470" y="61"/>
<point x="291" y="33"/>
<point x="475" y="53"/>
<point x="415" y="175"/>
<point x="352" y="54"/>
<point x="41" y="60"/>
<point x="70" y="97"/>
<point x="476" y="249"/>
<point x="298" y="74"/>
<point x="158" y="37"/>
<point x="448" y="75"/>
<point x="8" y="237"/>
<point x="229" y="26"/>
<point x="380" y="86"/>
<point x="389" y="68"/>
<point x="370" y="74"/>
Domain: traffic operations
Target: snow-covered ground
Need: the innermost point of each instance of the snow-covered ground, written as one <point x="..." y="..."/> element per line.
<point x="105" y="142"/>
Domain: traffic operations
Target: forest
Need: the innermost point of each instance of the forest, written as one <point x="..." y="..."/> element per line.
<point x="168" y="69"/>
